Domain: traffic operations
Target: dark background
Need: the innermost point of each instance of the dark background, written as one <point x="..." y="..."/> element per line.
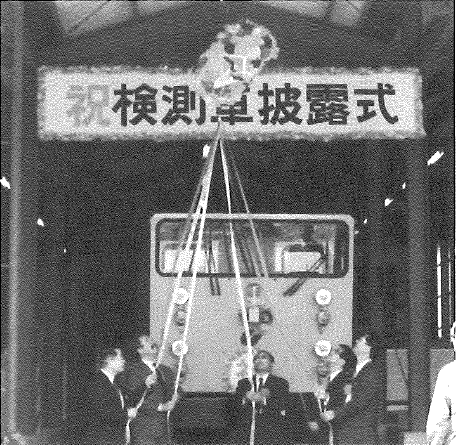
<point x="96" y="197"/>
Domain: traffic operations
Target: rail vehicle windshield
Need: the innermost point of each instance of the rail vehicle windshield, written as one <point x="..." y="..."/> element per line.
<point x="287" y="247"/>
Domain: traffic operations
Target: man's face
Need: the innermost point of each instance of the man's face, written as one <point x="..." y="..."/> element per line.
<point x="361" y="346"/>
<point x="116" y="362"/>
<point x="148" y="349"/>
<point x="262" y="363"/>
<point x="334" y="356"/>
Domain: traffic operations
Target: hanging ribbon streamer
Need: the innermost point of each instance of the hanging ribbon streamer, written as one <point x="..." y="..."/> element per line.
<point x="201" y="208"/>
<point x="262" y="257"/>
<point x="260" y="254"/>
<point x="181" y="255"/>
<point x="204" y="185"/>
<point x="298" y="359"/>
<point x="204" y="203"/>
<point x="240" y="290"/>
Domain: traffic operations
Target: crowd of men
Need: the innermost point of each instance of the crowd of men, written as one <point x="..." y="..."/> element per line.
<point x="129" y="401"/>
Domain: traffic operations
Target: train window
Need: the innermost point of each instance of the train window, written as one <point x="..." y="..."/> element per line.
<point x="287" y="247"/>
<point x="445" y="294"/>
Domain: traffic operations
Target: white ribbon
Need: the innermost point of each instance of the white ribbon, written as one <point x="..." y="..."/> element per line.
<point x="236" y="268"/>
<point x="180" y="255"/>
<point x="201" y="208"/>
<point x="203" y="205"/>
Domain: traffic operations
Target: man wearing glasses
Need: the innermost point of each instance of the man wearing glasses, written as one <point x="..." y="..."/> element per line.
<point x="270" y="397"/>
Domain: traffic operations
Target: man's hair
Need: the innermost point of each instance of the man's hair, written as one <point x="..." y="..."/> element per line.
<point x="268" y="354"/>
<point x="135" y="344"/>
<point x="369" y="338"/>
<point x="350" y="359"/>
<point x="372" y="341"/>
<point x="103" y="355"/>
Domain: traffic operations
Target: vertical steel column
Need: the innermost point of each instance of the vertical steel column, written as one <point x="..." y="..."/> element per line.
<point x="420" y="276"/>
<point x="22" y="358"/>
<point x="374" y="167"/>
<point x="375" y="188"/>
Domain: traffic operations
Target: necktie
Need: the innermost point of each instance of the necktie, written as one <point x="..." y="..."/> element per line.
<point x="260" y="382"/>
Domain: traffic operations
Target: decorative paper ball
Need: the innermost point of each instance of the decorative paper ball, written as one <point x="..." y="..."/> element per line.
<point x="227" y="68"/>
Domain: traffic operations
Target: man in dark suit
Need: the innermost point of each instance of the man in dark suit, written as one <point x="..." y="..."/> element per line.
<point x="332" y="395"/>
<point x="270" y="396"/>
<point x="105" y="408"/>
<point x="149" y="391"/>
<point x="356" y="421"/>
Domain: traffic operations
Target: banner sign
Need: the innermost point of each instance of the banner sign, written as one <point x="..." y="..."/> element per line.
<point x="85" y="103"/>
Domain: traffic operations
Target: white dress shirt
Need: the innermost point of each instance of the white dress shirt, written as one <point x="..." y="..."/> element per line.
<point x="109" y="375"/>
<point x="258" y="382"/>
<point x="333" y="374"/>
<point x="149" y="363"/>
<point x="111" y="379"/>
<point x="442" y="416"/>
<point x="261" y="379"/>
<point x="360" y="366"/>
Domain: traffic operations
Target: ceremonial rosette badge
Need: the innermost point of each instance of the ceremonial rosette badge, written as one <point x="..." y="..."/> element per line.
<point x="322" y="348"/>
<point x="323" y="297"/>
<point x="227" y="68"/>
<point x="180" y="296"/>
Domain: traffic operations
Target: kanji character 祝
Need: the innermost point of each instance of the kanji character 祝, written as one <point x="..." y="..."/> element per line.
<point x="90" y="102"/>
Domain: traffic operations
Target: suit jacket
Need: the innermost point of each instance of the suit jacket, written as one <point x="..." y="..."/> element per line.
<point x="355" y="422"/>
<point x="148" y="421"/>
<point x="270" y="423"/>
<point x="337" y="398"/>
<point x="105" y="416"/>
<point x="335" y="389"/>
